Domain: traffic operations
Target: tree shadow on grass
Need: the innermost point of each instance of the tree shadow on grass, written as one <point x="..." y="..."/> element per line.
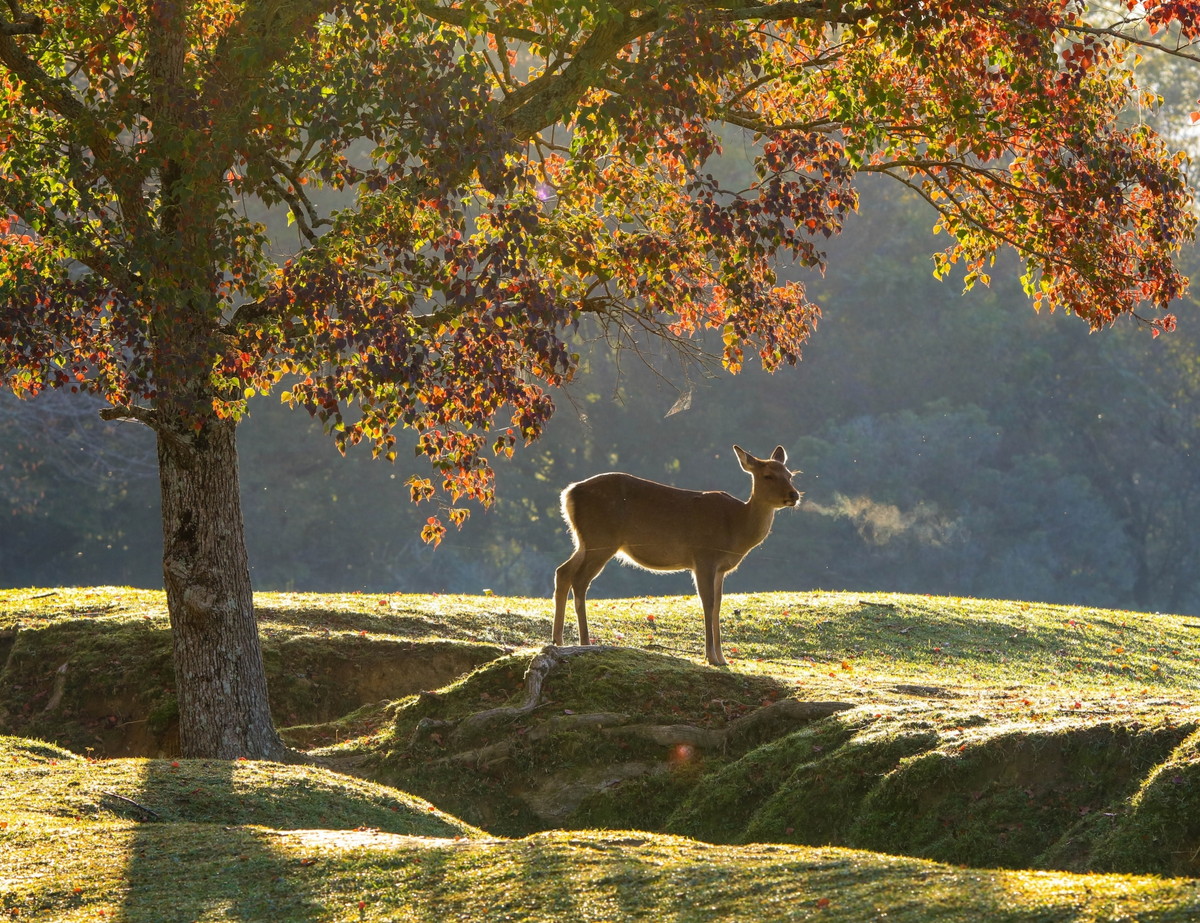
<point x="192" y="857"/>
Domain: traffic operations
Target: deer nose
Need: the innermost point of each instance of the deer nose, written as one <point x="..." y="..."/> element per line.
<point x="793" y="497"/>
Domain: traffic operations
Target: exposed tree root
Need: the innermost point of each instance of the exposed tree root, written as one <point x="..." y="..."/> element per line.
<point x="539" y="669"/>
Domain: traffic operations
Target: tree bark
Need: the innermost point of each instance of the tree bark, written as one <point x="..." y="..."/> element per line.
<point x="219" y="674"/>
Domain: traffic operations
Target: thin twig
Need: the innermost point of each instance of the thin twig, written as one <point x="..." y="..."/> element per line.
<point x="130" y="801"/>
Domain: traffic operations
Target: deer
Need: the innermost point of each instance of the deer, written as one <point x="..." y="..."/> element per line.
<point x="663" y="528"/>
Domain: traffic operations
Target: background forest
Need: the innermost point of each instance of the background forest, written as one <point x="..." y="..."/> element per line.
<point x="951" y="444"/>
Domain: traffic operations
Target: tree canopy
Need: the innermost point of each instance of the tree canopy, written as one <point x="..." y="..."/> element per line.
<point x="513" y="167"/>
<point x="516" y="165"/>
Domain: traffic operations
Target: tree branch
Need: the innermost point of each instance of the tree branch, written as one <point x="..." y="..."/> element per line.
<point x="144" y="415"/>
<point x="307" y="219"/>
<point x="58" y="97"/>
<point x="452" y="16"/>
<point x="51" y="93"/>
<point x="1120" y="35"/>
<point x="149" y="417"/>
<point x="270" y="28"/>
<point x="543" y="101"/>
<point x="20" y="23"/>
<point x="751" y="122"/>
<point x="812" y="10"/>
<point x="955" y="206"/>
<point x="131" y="803"/>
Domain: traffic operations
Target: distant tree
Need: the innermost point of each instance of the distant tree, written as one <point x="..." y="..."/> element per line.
<point x="937" y="501"/>
<point x="515" y="166"/>
<point x="72" y="492"/>
<point x="1129" y="412"/>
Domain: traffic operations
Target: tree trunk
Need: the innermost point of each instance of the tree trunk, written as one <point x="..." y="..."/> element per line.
<point x="219" y="675"/>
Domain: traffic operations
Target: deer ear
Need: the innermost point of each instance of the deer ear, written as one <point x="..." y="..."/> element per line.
<point x="744" y="458"/>
<point x="779" y="455"/>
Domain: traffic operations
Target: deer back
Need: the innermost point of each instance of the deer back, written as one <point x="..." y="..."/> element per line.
<point x="656" y="525"/>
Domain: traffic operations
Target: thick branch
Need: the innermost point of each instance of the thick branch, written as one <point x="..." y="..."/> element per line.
<point x="453" y="16"/>
<point x="544" y="101"/>
<point x="58" y="96"/>
<point x="53" y="94"/>
<point x="265" y="33"/>
<point x="148" y="417"/>
<point x="20" y="23"/>
<point x="144" y="415"/>
<point x="813" y="10"/>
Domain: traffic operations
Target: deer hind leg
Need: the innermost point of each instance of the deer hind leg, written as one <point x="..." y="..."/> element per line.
<point x="562" y="589"/>
<point x="575" y="575"/>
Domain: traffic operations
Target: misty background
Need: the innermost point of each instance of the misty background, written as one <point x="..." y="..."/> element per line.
<point x="951" y="444"/>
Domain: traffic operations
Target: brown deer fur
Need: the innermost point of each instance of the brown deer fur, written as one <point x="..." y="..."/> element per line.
<point x="665" y="528"/>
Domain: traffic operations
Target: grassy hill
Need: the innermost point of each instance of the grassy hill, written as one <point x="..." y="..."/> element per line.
<point x="991" y="756"/>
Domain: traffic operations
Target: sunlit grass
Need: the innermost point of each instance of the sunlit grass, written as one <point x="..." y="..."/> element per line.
<point x="904" y="635"/>
<point x="146" y="840"/>
<point x="1046" y="656"/>
<point x="156" y="872"/>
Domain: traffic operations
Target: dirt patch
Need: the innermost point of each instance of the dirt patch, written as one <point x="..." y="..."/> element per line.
<point x="97" y="687"/>
<point x="1159" y="832"/>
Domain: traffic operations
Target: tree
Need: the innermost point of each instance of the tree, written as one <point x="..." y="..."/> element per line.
<point x="514" y="167"/>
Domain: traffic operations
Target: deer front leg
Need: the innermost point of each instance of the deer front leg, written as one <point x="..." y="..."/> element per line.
<point x="714" y="652"/>
<point x="581" y="617"/>
<point x="708" y="586"/>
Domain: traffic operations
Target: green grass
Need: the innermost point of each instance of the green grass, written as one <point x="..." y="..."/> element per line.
<point x="801" y="635"/>
<point x="141" y="840"/>
<point x="982" y="733"/>
<point x="906" y="632"/>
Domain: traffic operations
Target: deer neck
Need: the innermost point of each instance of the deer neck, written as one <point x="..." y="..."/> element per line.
<point x="756" y="525"/>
